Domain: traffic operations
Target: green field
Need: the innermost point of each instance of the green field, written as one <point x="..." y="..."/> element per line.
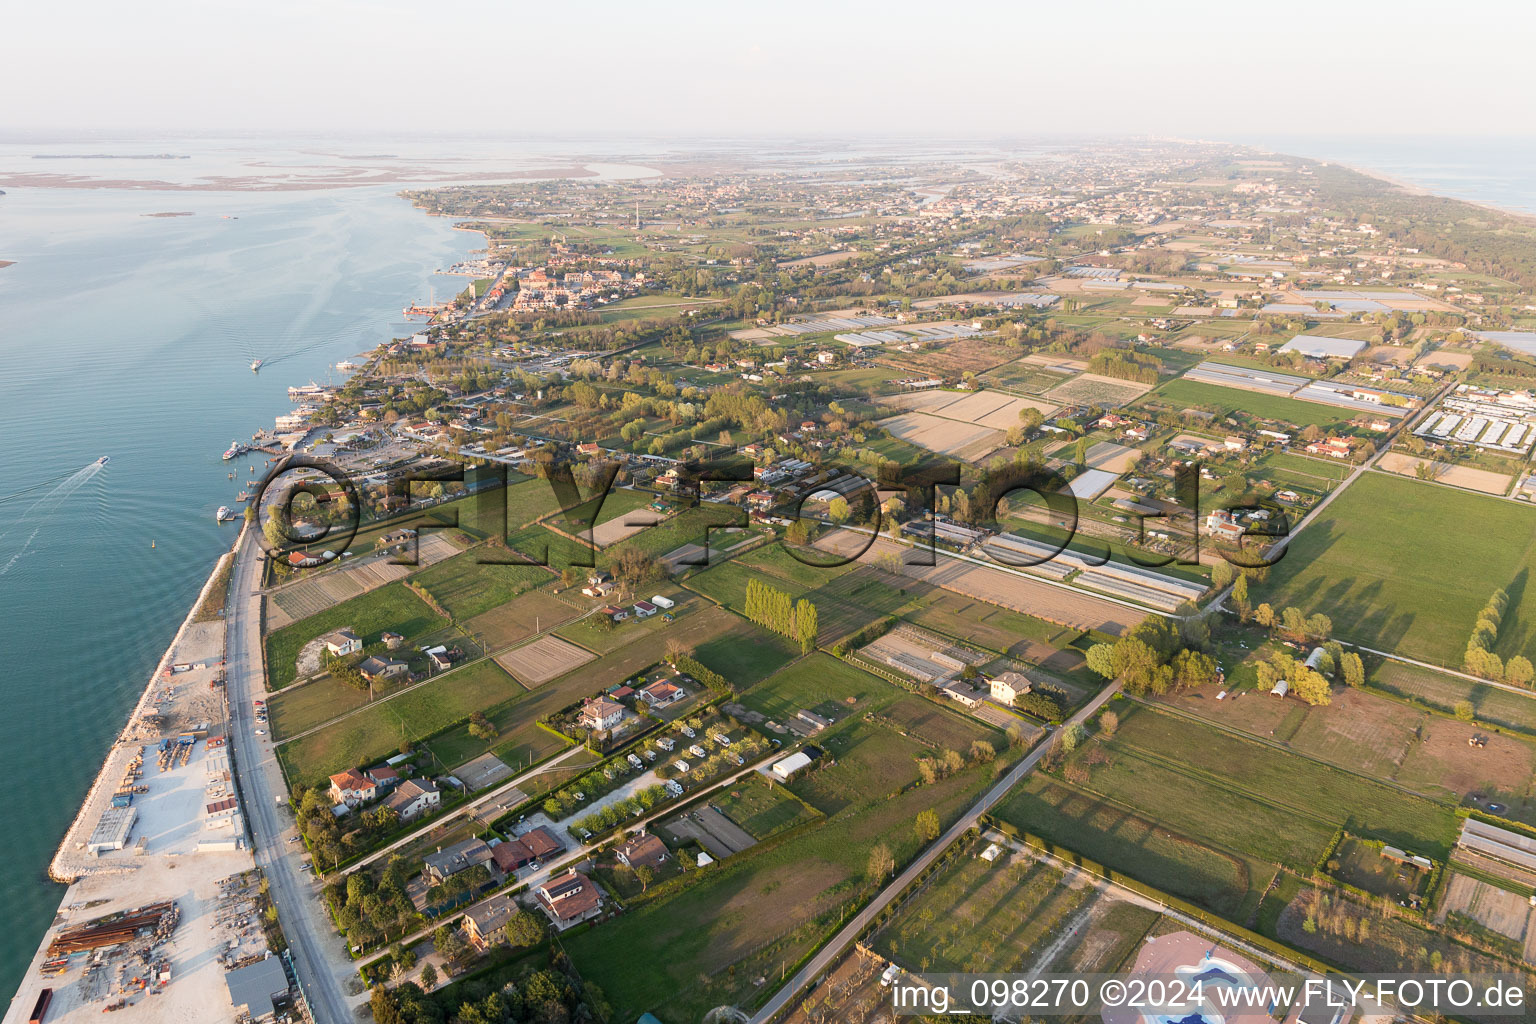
<point x="1210" y="816"/>
<point x="763" y="810"/>
<point x="1185" y="394"/>
<point x="303" y="707"/>
<point x="818" y="681"/>
<point x="746" y="654"/>
<point x="1438" y="690"/>
<point x="391" y="607"/>
<point x="1405" y="566"/>
<point x="378" y="730"/>
<point x="466" y="587"/>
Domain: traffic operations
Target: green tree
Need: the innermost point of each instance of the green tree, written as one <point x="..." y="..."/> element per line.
<point x="1518" y="670"/>
<point x="1240" y="597"/>
<point x="1264" y="615"/>
<point x="837" y="510"/>
<point x="428" y="978"/>
<point x="926" y="825"/>
<point x="1353" y="668"/>
<point x="1101" y="658"/>
<point x="1072" y="737"/>
<point x="1464" y="711"/>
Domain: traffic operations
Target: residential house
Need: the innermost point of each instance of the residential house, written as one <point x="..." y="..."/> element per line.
<point x="600" y="714"/>
<point x="486" y="922"/>
<point x="343" y="642"/>
<point x="615" y="613"/>
<point x="534" y="845"/>
<point x="383" y="776"/>
<point x="414" y="797"/>
<point x="444" y="864"/>
<point x="377" y="670"/>
<point x="644" y="609"/>
<point x="1334" y="447"/>
<point x="662" y="693"/>
<point x="642" y="851"/>
<point x="352" y="788"/>
<point x="570" y="899"/>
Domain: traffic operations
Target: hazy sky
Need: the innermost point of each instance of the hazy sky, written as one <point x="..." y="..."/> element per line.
<point x="685" y="68"/>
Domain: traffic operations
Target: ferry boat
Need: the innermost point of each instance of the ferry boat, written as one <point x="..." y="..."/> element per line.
<point x="224" y="514"/>
<point x="255" y="365"/>
<point x="103" y="460"/>
<point x="235" y="450"/>
<point x="347" y="365"/>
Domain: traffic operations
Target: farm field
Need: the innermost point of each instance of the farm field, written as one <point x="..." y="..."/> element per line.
<point x="392" y="607"/>
<point x="1489" y="703"/>
<point x="520" y="618"/>
<point x="940" y="727"/>
<point x="987" y="625"/>
<point x="379" y="729"/>
<point x="746" y="654"/>
<point x="981" y="917"/>
<point x="1296" y="787"/>
<point x="1185" y="394"/>
<point x="947" y="437"/>
<point x="467" y="588"/>
<point x="1375" y="563"/>
<point x="1096" y="389"/>
<point x="543" y="660"/>
<point x="1124" y="840"/>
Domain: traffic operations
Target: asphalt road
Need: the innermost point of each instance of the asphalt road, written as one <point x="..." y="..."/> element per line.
<point x="829" y="953"/>
<point x="318" y="957"/>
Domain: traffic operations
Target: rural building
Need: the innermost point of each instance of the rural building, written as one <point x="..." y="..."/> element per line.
<point x="570" y="899"/>
<point x="352" y="788"/>
<point x="343" y="642"/>
<point x="615" y="613"/>
<point x="663" y="602"/>
<point x="414" y="797"/>
<point x="444" y="864"/>
<point x="786" y="767"/>
<point x="812" y="719"/>
<point x="644" y="609"/>
<point x="965" y="693"/>
<point x="1281" y="688"/>
<point x="1316" y="346"/>
<point x="1008" y="685"/>
<point x="642" y="851"/>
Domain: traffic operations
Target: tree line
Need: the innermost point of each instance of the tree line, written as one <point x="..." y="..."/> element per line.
<point x="776" y="610"/>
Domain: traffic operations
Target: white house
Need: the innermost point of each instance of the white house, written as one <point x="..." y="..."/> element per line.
<point x="343" y="642"/>
<point x="785" y="767"/>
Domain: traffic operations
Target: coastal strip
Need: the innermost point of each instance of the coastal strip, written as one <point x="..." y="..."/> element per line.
<point x="58" y="868"/>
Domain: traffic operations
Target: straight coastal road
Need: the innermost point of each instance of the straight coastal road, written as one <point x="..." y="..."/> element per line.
<point x="829" y="953"/>
<point x="318" y="957"/>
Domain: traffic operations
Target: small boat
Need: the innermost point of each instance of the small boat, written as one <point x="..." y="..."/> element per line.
<point x="224" y="514"/>
<point x="255" y="365"/>
<point x="103" y="460"/>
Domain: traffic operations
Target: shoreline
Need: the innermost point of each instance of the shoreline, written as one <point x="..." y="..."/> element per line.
<point x="55" y="872"/>
<point x="1410" y="187"/>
